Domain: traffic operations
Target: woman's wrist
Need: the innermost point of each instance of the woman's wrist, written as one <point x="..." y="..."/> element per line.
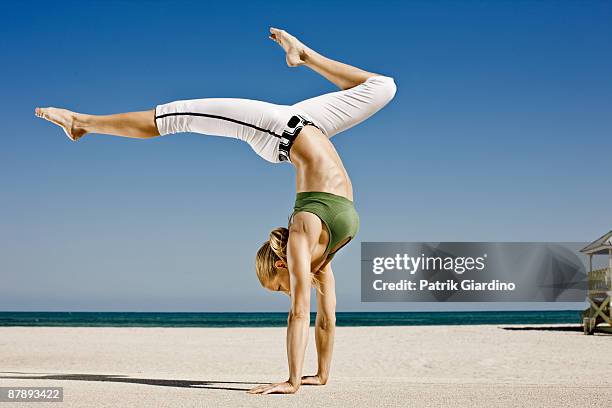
<point x="296" y="382"/>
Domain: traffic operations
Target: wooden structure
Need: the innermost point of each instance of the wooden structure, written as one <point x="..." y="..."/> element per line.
<point x="600" y="287"/>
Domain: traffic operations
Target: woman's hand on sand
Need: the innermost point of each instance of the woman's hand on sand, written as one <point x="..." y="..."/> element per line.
<point x="278" y="388"/>
<point x="312" y="380"/>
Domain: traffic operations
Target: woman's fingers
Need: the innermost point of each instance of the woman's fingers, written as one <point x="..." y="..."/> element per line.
<point x="311" y="380"/>
<point x="280" y="388"/>
<point x="261" y="389"/>
<point x="256" y="390"/>
<point x="270" y="390"/>
<point x="308" y="380"/>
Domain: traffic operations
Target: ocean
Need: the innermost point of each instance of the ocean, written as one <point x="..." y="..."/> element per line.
<point x="154" y="319"/>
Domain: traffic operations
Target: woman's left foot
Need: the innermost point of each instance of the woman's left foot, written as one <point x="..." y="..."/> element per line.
<point x="63" y="118"/>
<point x="296" y="51"/>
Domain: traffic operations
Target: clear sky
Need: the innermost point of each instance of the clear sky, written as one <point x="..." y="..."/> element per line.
<point x="500" y="131"/>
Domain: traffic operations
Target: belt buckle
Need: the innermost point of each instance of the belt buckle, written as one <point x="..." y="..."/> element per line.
<point x="283" y="156"/>
<point x="294" y="121"/>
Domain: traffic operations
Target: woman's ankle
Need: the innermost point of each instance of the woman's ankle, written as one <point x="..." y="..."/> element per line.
<point x="307" y="55"/>
<point x="81" y="121"/>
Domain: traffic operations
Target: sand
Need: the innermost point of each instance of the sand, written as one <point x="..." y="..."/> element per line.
<point x="422" y="366"/>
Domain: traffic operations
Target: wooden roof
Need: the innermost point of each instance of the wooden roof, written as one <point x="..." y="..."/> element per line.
<point x="600" y="246"/>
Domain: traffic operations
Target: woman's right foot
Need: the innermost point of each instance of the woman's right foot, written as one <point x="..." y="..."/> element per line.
<point x="63" y="118"/>
<point x="296" y="51"/>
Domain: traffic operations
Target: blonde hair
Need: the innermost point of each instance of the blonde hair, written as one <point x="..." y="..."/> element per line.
<point x="274" y="249"/>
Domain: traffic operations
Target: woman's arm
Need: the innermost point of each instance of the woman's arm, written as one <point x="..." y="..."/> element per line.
<point x="304" y="234"/>
<point x="325" y="327"/>
<point x="298" y="262"/>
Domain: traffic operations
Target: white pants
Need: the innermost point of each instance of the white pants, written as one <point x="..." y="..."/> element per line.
<point x="261" y="124"/>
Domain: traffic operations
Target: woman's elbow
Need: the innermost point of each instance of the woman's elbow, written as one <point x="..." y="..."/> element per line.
<point x="298" y="314"/>
<point x="326" y="321"/>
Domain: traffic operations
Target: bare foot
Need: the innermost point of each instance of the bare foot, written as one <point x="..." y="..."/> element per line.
<point x="296" y="51"/>
<point x="63" y="118"/>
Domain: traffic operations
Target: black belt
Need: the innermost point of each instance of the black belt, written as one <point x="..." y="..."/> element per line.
<point x="294" y="126"/>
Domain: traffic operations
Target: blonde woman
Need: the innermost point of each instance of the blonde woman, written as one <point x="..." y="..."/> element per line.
<point x="324" y="217"/>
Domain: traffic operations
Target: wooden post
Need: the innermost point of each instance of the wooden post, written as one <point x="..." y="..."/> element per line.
<point x="590" y="275"/>
<point x="609" y="282"/>
<point x="609" y="274"/>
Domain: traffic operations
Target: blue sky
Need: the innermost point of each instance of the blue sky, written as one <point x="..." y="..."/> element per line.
<point x="500" y="131"/>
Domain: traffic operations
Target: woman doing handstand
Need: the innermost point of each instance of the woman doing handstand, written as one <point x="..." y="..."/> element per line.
<point x="323" y="219"/>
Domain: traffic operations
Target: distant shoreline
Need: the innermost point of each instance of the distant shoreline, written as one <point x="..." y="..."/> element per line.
<point x="277" y="319"/>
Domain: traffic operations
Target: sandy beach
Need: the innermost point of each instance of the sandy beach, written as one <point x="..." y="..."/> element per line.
<point x="420" y="366"/>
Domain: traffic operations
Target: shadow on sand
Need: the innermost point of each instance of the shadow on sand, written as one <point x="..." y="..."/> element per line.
<point x="213" y="385"/>
<point x="553" y="328"/>
<point x="547" y="328"/>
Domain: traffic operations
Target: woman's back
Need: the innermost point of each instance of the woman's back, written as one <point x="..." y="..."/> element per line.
<point x="318" y="165"/>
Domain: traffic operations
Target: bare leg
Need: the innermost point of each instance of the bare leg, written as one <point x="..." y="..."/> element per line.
<point x="138" y="125"/>
<point x="141" y="125"/>
<point x="342" y="75"/>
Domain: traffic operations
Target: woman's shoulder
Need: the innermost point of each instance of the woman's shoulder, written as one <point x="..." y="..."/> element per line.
<point x="305" y="222"/>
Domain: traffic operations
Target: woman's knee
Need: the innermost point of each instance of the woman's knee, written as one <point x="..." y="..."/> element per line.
<point x="152" y="122"/>
<point x="386" y="87"/>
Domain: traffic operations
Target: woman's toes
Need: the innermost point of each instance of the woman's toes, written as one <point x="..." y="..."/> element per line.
<point x="42" y="113"/>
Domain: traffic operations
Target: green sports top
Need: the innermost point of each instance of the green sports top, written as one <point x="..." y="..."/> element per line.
<point x="337" y="213"/>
